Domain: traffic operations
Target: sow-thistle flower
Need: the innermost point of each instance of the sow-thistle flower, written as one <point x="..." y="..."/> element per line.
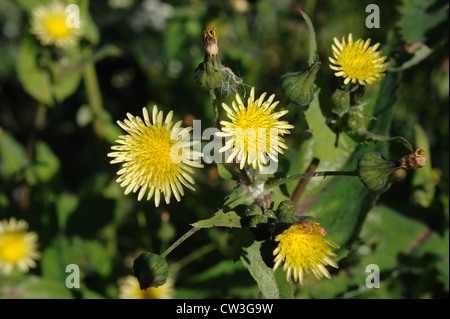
<point x="302" y="248"/>
<point x="255" y="130"/>
<point x="18" y="247"/>
<point x="129" y="289"/>
<point x="357" y="61"/>
<point x="49" y="24"/>
<point x="156" y="156"/>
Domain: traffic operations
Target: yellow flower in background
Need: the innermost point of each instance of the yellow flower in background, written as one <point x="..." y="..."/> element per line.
<point x="156" y="156"/>
<point x="49" y="24"/>
<point x="302" y="248"/>
<point x="18" y="247"/>
<point x="357" y="61"/>
<point x="129" y="289"/>
<point x="255" y="130"/>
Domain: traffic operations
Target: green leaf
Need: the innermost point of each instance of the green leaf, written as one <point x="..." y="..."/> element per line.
<point x="313" y="55"/>
<point x="418" y="17"/>
<point x="35" y="80"/>
<point x="34" y="287"/>
<point x="45" y="165"/>
<point x="220" y="219"/>
<point x="223" y="172"/>
<point x="12" y="156"/>
<point x="262" y="274"/>
<point x="151" y="270"/>
<point x="422" y="181"/>
<point x="419" y="55"/>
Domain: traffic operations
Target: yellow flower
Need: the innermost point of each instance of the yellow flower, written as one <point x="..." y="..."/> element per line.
<point x="156" y="156"/>
<point x="254" y="130"/>
<point x="18" y="248"/>
<point x="357" y="61"/>
<point x="49" y="24"/>
<point x="302" y="248"/>
<point x="129" y="289"/>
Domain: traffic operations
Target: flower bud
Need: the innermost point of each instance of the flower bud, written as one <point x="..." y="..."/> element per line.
<point x="299" y="86"/>
<point x="341" y="101"/>
<point x="354" y="120"/>
<point x="253" y="210"/>
<point x="367" y="93"/>
<point x="374" y="171"/>
<point x="209" y="74"/>
<point x="286" y="210"/>
<point x="258" y="219"/>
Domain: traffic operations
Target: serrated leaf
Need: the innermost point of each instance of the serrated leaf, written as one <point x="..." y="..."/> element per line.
<point x="262" y="274"/>
<point x="418" y="17"/>
<point x="220" y="219"/>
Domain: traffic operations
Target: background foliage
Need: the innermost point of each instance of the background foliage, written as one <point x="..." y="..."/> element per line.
<point x="55" y="134"/>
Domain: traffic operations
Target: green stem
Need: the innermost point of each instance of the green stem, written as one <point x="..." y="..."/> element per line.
<point x="191" y="232"/>
<point x="94" y="97"/>
<point x="284" y="180"/>
<point x="212" y="93"/>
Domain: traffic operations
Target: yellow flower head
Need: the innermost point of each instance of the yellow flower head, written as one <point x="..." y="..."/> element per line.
<point x="129" y="289"/>
<point x="49" y="24"/>
<point x="357" y="61"/>
<point x="18" y="248"/>
<point x="254" y="130"/>
<point x="156" y="156"/>
<point x="302" y="248"/>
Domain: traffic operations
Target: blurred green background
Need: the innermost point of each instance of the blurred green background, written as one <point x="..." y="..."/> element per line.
<point x="54" y="172"/>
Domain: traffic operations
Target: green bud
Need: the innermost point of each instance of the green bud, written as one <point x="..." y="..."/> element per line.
<point x="341" y="101"/>
<point x="354" y="119"/>
<point x="258" y="219"/>
<point x="210" y="73"/>
<point x="367" y="93"/>
<point x="151" y="270"/>
<point x="253" y="210"/>
<point x="299" y="86"/>
<point x="286" y="210"/>
<point x="374" y="170"/>
<point x="269" y="214"/>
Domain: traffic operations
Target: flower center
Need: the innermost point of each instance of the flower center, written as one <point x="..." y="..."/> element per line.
<point x="250" y="124"/>
<point x="155" y="155"/>
<point x="357" y="62"/>
<point x="12" y="247"/>
<point x="55" y="25"/>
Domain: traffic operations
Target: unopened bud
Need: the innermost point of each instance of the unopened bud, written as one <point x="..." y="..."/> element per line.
<point x="253" y="210"/>
<point x="286" y="210"/>
<point x="366" y="93"/>
<point x="341" y="101"/>
<point x="374" y="170"/>
<point x="299" y="86"/>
